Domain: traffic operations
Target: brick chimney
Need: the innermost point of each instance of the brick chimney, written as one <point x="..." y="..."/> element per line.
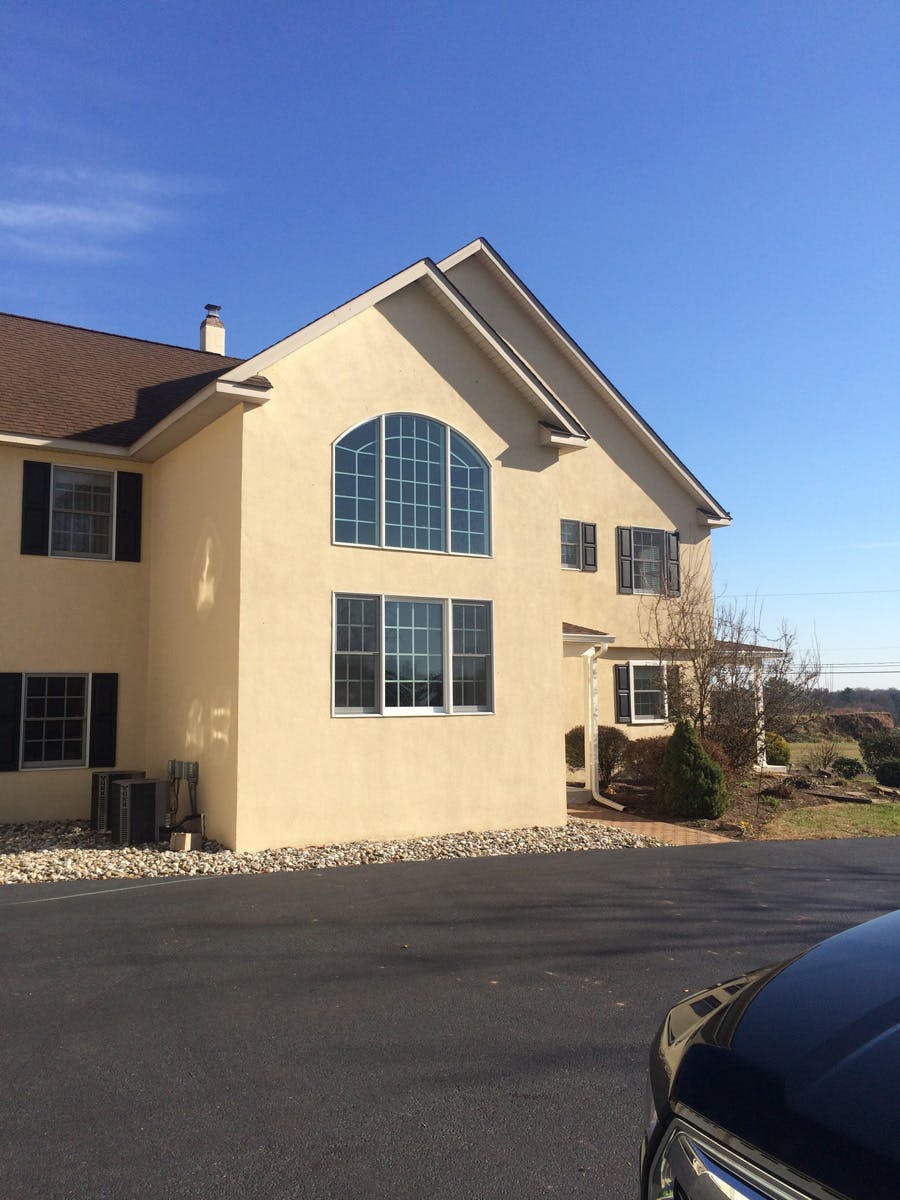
<point x="212" y="331"/>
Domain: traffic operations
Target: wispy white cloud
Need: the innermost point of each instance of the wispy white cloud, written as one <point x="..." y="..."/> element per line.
<point x="62" y="249"/>
<point x="112" y="216"/>
<point x="84" y="213"/>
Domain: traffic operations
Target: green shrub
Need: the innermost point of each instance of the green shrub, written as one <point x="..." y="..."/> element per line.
<point x="888" y="772"/>
<point x="878" y="747"/>
<point x="690" y="784"/>
<point x="778" y="752"/>
<point x="575" y="748"/>
<point x="611" y="747"/>
<point x="847" y="768"/>
<point x="644" y="758"/>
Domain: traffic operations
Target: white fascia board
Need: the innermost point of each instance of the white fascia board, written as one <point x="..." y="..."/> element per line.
<point x="68" y="445"/>
<point x="588" y="639"/>
<point x="707" y="520"/>
<point x="212" y="402"/>
<point x="610" y="393"/>
<point x="294" y="341"/>
<point x="424" y="271"/>
<point x="564" y="441"/>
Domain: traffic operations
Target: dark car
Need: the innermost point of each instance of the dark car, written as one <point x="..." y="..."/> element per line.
<point x="783" y="1084"/>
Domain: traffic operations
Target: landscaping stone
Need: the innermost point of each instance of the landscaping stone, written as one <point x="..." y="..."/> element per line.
<point x="54" y="851"/>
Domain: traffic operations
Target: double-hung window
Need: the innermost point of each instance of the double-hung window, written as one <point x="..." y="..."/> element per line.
<point x="578" y="545"/>
<point x="649" y="561"/>
<point x="80" y="512"/>
<point x="640" y="692"/>
<point x="57" y="719"/>
<point x="407" y="482"/>
<point x="396" y="655"/>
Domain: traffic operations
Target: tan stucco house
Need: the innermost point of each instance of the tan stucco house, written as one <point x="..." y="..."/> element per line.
<point x="366" y="578"/>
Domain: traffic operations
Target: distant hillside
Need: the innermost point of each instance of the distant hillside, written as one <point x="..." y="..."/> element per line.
<point x="880" y="703"/>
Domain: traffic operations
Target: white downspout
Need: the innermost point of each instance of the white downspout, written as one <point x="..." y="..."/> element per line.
<point x="591" y="725"/>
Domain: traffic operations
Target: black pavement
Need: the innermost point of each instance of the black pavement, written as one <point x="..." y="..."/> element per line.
<point x="475" y="1028"/>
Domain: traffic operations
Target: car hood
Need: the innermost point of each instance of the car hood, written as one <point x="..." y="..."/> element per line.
<point x="801" y="1061"/>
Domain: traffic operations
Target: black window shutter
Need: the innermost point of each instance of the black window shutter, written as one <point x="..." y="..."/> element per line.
<point x="626" y="579"/>
<point x="673" y="566"/>
<point x="35" y="508"/>
<point x="588" y="546"/>
<point x="10" y="720"/>
<point x="623" y="694"/>
<point x="104" y="706"/>
<point x="129" y="486"/>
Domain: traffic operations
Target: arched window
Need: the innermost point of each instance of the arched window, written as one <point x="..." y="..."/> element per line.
<point x="407" y="482"/>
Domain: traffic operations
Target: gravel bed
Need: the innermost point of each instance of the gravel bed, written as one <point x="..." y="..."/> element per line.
<point x="51" y="851"/>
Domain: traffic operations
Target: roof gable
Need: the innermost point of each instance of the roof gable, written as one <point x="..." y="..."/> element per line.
<point x="481" y="253"/>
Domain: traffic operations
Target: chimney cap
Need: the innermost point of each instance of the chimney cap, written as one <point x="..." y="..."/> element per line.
<point x="213" y="310"/>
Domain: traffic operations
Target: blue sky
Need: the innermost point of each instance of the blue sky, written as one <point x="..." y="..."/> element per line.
<point x="707" y="196"/>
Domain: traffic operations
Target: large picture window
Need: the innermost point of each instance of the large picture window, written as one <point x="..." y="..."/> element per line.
<point x="407" y="482"/>
<point x="395" y="655"/>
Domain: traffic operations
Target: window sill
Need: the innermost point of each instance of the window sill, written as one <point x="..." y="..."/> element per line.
<point x="410" y="550"/>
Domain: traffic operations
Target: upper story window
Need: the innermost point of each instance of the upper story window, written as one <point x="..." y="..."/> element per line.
<point x="407" y="482"/>
<point x="578" y="545"/>
<point x="79" y="512"/>
<point x="649" y="561"/>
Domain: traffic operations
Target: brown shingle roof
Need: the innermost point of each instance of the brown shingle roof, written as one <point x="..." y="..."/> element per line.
<point x="568" y="627"/>
<point x="58" y="381"/>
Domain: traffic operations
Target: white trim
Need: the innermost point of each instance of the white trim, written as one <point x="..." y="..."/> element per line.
<point x="658" y="666"/>
<point x="64" y="445"/>
<point x="609" y="393"/>
<point x="588" y="639"/>
<point x="427" y="273"/>
<point x="381" y="544"/>
<point x="384" y="710"/>
<point x="114" y="496"/>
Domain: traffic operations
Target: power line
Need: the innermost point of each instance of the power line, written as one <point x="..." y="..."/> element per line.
<point x="777" y="595"/>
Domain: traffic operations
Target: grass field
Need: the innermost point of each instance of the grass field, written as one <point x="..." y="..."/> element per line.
<point x="800" y="751"/>
<point x="836" y="820"/>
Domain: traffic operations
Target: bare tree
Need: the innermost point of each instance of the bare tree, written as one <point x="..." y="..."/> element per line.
<point x="721" y="671"/>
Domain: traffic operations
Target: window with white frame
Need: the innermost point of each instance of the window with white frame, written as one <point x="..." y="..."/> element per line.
<point x="82" y="512"/>
<point x="54" y="720"/>
<point x="649" y="561"/>
<point x="396" y="655"/>
<point x="640" y="692"/>
<point x="407" y="482"/>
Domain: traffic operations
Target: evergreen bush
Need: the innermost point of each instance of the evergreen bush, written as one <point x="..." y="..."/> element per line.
<point x="888" y="772"/>
<point x="690" y="784"/>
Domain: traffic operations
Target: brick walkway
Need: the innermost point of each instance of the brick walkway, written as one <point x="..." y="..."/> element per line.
<point x="579" y="805"/>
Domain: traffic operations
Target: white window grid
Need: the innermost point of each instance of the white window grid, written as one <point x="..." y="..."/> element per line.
<point x="448" y="656"/>
<point x="570" y="544"/>
<point x="72" y="522"/>
<point x="648" y="557"/>
<point x="648" y="717"/>
<point x="427" y="513"/>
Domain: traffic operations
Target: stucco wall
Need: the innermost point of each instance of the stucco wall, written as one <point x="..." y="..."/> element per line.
<point x="192" y="709"/>
<point x="69" y="615"/>
<point x="306" y="776"/>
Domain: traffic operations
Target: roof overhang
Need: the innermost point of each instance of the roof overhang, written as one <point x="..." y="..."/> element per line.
<point x="589" y="370"/>
<point x="430" y="278"/>
<point x="206" y="406"/>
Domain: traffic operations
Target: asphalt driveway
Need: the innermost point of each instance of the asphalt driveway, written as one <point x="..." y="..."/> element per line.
<point x="453" y="1029"/>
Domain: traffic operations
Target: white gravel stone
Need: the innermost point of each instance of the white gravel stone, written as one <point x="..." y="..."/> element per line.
<point x="53" y="851"/>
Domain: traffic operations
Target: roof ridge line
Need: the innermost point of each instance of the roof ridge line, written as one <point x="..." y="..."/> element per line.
<point x="125" y="337"/>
